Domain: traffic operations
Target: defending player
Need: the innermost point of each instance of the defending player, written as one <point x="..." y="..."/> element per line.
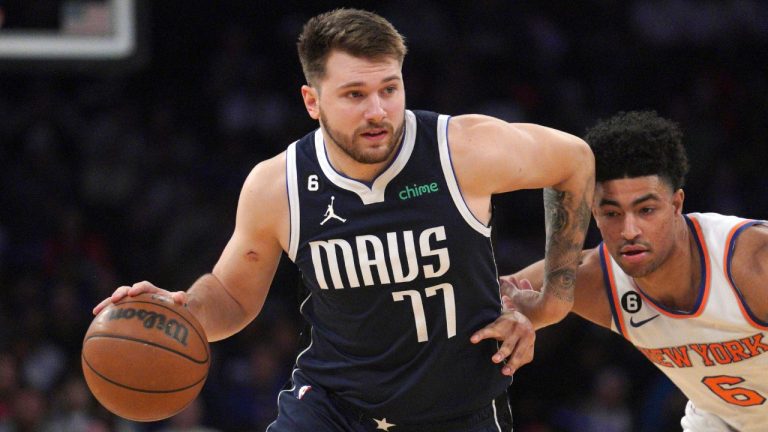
<point x="386" y="213"/>
<point x="688" y="290"/>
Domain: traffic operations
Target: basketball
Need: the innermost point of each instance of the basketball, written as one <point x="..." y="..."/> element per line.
<point x="145" y="358"/>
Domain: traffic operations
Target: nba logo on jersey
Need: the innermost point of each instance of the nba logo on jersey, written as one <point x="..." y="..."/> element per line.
<point x="303" y="390"/>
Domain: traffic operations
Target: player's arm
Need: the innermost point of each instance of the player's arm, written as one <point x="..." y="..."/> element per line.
<point x="590" y="296"/>
<point x="230" y="297"/>
<point x="749" y="268"/>
<point x="492" y="156"/>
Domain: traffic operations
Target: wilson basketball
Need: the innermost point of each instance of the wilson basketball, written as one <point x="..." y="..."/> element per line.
<point x="145" y="358"/>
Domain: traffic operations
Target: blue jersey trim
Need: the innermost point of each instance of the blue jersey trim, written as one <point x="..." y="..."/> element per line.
<point x="609" y="288"/>
<point x="731" y="247"/>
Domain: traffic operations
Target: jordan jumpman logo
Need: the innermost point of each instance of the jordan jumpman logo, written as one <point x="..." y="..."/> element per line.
<point x="331" y="214"/>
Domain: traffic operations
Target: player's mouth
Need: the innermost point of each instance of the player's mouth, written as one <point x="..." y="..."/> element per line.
<point x="634" y="254"/>
<point x="377" y="134"/>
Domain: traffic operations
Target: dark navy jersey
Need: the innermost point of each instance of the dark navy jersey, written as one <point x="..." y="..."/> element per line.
<point x="400" y="275"/>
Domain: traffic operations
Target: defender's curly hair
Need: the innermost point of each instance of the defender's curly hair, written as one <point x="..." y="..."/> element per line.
<point x="636" y="144"/>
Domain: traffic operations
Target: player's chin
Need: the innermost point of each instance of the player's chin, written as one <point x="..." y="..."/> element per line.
<point x="637" y="271"/>
<point x="375" y="154"/>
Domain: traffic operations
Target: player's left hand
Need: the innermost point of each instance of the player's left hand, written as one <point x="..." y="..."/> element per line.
<point x="517" y="337"/>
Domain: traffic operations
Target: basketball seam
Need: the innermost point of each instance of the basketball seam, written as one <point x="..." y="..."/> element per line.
<point x="144" y="341"/>
<point x="138" y="389"/>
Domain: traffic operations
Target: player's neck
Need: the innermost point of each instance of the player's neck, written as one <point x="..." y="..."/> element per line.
<point x="675" y="284"/>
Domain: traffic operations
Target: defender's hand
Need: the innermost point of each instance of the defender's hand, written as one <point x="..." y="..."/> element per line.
<point x="518" y="294"/>
<point x="179" y="297"/>
<point x="517" y="337"/>
<point x="541" y="308"/>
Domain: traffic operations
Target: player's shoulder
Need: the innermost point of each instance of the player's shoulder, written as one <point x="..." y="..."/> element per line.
<point x="591" y="297"/>
<point x="263" y="202"/>
<point x="267" y="179"/>
<point x="749" y="268"/>
<point x="468" y="124"/>
<point x="478" y="137"/>
<point x="751" y="248"/>
<point x="268" y="170"/>
<point x="474" y="129"/>
<point x="590" y="270"/>
<point x="590" y="255"/>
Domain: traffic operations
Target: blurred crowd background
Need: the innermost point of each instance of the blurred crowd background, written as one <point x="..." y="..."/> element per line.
<point x="112" y="175"/>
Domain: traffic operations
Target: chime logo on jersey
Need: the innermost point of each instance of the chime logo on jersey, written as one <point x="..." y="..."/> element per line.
<point x="417" y="190"/>
<point x="371" y="253"/>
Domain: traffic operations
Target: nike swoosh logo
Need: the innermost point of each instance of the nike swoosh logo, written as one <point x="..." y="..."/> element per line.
<point x="643" y="322"/>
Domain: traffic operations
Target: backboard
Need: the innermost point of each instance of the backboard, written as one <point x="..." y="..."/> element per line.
<point x="69" y="32"/>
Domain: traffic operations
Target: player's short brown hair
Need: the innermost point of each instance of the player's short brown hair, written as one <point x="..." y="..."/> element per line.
<point x="356" y="32"/>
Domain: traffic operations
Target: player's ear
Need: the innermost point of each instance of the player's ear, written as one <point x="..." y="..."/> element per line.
<point x="311" y="98"/>
<point x="677" y="200"/>
<point x="595" y="202"/>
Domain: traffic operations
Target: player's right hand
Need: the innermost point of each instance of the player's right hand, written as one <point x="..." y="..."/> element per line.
<point x="517" y="337"/>
<point x="179" y="297"/>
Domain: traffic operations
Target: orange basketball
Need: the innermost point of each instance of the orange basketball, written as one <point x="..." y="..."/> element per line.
<point x="145" y="358"/>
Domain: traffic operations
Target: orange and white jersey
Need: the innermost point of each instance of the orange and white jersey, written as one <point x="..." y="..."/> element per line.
<point x="717" y="354"/>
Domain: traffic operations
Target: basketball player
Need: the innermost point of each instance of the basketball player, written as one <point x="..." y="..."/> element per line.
<point x="688" y="290"/>
<point x="386" y="212"/>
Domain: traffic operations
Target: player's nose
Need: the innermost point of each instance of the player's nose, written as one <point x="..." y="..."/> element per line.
<point x="630" y="230"/>
<point x="374" y="110"/>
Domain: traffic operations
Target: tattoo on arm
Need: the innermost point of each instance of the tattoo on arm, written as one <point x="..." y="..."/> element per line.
<point x="566" y="222"/>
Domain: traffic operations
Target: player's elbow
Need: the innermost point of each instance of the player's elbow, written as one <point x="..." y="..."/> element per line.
<point x="583" y="160"/>
<point x="578" y="167"/>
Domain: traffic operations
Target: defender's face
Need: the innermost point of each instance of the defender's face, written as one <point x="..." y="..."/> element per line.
<point x="361" y="106"/>
<point x="637" y="219"/>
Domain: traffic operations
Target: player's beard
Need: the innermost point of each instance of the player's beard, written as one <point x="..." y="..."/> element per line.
<point x="351" y="146"/>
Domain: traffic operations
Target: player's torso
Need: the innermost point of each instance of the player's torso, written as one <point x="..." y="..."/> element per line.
<point x="716" y="354"/>
<point x="400" y="275"/>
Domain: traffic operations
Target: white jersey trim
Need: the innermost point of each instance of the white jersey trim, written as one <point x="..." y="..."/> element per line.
<point x="293" y="372"/>
<point x="375" y="192"/>
<point x="292" y="186"/>
<point x="495" y="416"/>
<point x="450" y="178"/>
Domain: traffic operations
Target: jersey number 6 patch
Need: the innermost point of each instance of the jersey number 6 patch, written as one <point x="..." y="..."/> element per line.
<point x="721" y="385"/>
